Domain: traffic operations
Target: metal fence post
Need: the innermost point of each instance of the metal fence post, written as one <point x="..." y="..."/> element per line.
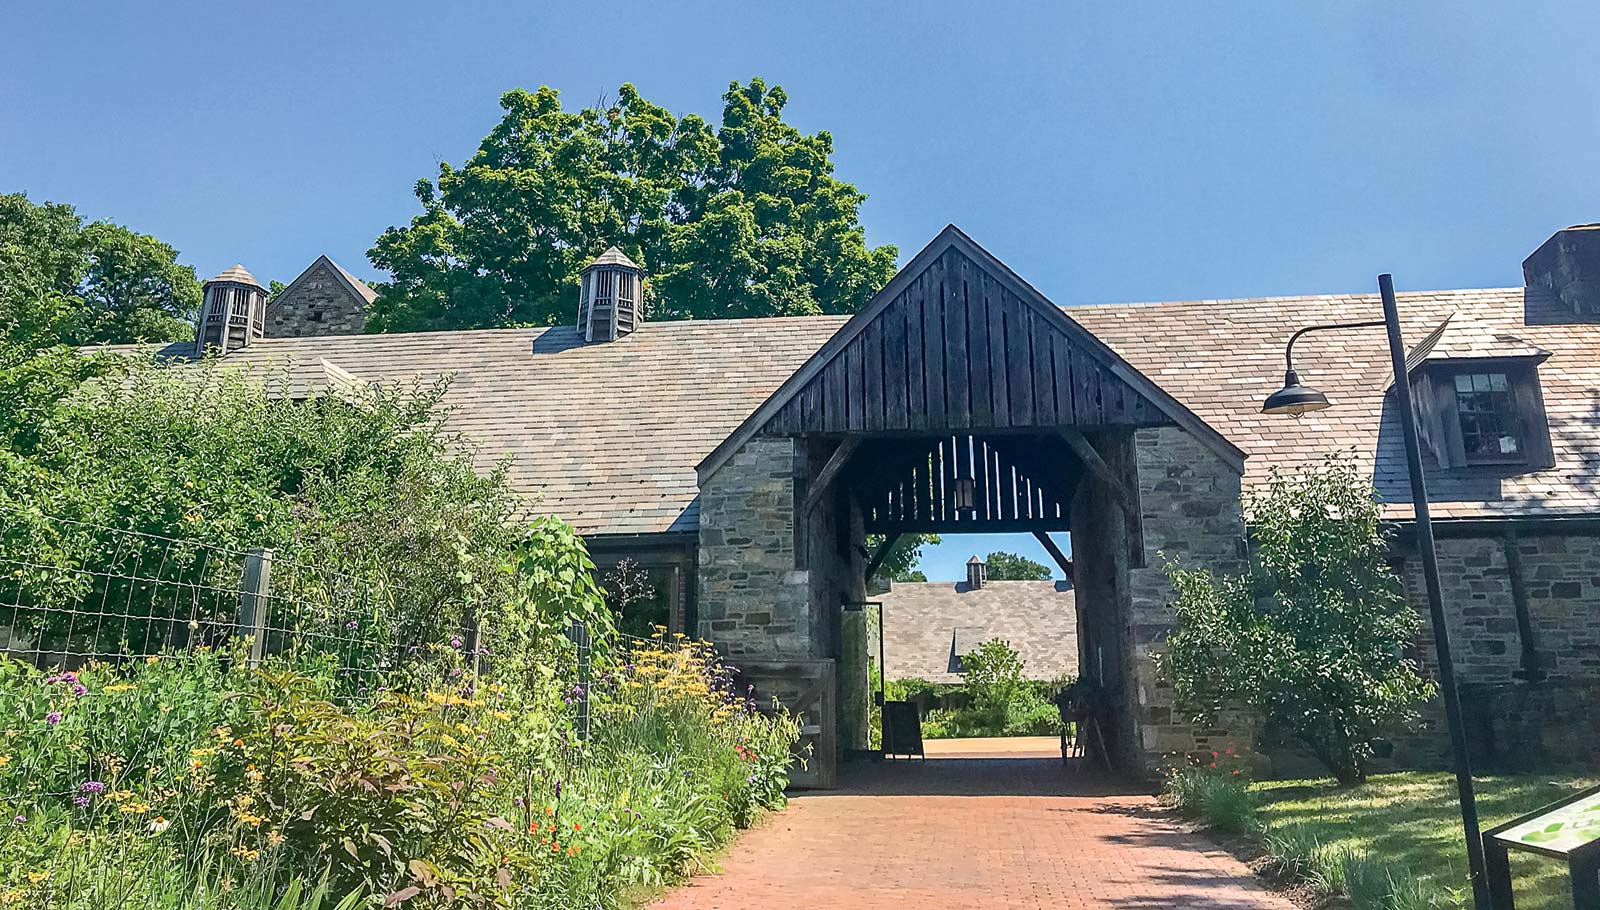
<point x="255" y="588"/>
<point x="579" y="634"/>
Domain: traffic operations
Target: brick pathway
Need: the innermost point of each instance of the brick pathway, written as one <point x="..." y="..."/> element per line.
<point x="973" y="834"/>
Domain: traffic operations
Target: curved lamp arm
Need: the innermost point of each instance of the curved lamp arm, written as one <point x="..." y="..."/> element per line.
<point x="1288" y="351"/>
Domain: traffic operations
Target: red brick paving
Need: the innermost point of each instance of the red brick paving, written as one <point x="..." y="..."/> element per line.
<point x="973" y="834"/>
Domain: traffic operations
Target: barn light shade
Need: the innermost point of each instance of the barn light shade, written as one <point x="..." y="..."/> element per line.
<point x="1294" y="399"/>
<point x="962" y="495"/>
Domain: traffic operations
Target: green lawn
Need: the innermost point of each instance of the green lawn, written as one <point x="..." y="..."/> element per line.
<point x="1410" y="820"/>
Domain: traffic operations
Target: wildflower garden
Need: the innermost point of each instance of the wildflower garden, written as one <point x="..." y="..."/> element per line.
<point x="414" y="726"/>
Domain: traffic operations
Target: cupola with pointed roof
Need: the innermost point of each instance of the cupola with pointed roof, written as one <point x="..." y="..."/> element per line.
<point x="232" y="314"/>
<point x="610" y="297"/>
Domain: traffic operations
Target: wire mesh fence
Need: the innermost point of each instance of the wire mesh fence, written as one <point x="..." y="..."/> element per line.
<point x="72" y="592"/>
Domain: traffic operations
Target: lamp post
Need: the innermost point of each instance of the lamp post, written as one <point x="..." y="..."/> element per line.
<point x="1295" y="399"/>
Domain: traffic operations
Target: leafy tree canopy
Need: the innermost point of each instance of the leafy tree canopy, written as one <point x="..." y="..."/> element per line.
<point x="741" y="219"/>
<point x="1003" y="566"/>
<point x="64" y="281"/>
<point x="901" y="563"/>
<point x="1312" y="637"/>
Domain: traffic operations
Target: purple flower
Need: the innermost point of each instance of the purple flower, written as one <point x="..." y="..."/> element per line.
<point x="351" y="625"/>
<point x="69" y="677"/>
<point x="558" y="789"/>
<point x="455" y="672"/>
<point x="21" y="819"/>
<point x="455" y="642"/>
<point x="93" y="786"/>
<point x="80" y="801"/>
<point x="54" y="717"/>
<point x="79" y="689"/>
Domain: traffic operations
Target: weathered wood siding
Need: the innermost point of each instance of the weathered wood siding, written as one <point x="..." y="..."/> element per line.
<point x="956" y="350"/>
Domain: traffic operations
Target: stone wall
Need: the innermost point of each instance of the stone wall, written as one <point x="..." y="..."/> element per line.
<point x="1191" y="514"/>
<point x="753" y="601"/>
<point x="1527" y="698"/>
<point x="318" y="303"/>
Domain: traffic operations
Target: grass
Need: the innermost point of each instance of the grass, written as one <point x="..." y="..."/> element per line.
<point x="1404" y="830"/>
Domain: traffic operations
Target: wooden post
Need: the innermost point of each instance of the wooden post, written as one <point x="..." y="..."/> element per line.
<point x="255" y="588"/>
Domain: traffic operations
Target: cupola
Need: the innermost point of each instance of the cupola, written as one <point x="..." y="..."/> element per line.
<point x="610" y="297"/>
<point x="977" y="573"/>
<point x="233" y="313"/>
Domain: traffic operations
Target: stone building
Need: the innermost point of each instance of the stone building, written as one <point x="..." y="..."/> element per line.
<point x="745" y="462"/>
<point x="324" y="300"/>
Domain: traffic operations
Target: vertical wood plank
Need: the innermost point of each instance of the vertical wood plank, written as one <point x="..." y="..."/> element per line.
<point x="1061" y="368"/>
<point x="999" y="388"/>
<point x="1019" y="372"/>
<point x="979" y="288"/>
<point x="871" y="340"/>
<point x="835" y="414"/>
<point x="934" y="292"/>
<point x="855" y="406"/>
<point x="957" y="406"/>
<point x="895" y="382"/>
<point x="1044" y="386"/>
<point x="916" y="379"/>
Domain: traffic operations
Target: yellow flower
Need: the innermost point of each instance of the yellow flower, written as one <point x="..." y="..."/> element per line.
<point x="134" y="808"/>
<point x="4" y="760"/>
<point x="275" y="838"/>
<point x="245" y="853"/>
<point x="10" y="897"/>
<point x="121" y="687"/>
<point x="37" y="877"/>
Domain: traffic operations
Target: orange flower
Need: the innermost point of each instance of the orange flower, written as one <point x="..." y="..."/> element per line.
<point x="534" y="827"/>
<point x="572" y="850"/>
<point x="576" y="826"/>
<point x="555" y="846"/>
<point x="549" y="810"/>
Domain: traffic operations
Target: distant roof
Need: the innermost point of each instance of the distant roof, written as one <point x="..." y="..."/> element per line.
<point x="928" y="625"/>
<point x="236" y="274"/>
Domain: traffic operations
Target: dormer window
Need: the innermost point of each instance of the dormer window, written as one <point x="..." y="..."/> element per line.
<point x="1491" y="428"/>
<point x="1483" y="413"/>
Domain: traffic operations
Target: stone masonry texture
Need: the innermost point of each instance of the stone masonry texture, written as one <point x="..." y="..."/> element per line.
<point x="1526" y="702"/>
<point x="753" y="602"/>
<point x="1190" y="508"/>
<point x="320" y="304"/>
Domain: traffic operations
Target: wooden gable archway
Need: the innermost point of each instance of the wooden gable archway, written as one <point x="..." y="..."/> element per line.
<point x="957" y="341"/>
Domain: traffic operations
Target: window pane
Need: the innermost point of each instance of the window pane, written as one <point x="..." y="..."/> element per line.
<point x="1488" y="416"/>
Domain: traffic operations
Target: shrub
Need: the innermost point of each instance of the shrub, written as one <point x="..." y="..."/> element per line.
<point x="1312" y="638"/>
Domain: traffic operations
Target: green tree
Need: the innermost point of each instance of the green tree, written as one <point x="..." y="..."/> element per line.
<point x="1311" y="637"/>
<point x="1003" y="566"/>
<point x="901" y="563"/>
<point x="742" y="219"/>
<point x="73" y="283"/>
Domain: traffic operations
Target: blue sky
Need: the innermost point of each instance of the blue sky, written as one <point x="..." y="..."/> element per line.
<point x="1108" y="152"/>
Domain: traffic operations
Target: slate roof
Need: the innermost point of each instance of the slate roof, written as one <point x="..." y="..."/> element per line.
<point x="1222" y="357"/>
<point x="605" y="435"/>
<point x="608" y="435"/>
<point x="927" y="625"/>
